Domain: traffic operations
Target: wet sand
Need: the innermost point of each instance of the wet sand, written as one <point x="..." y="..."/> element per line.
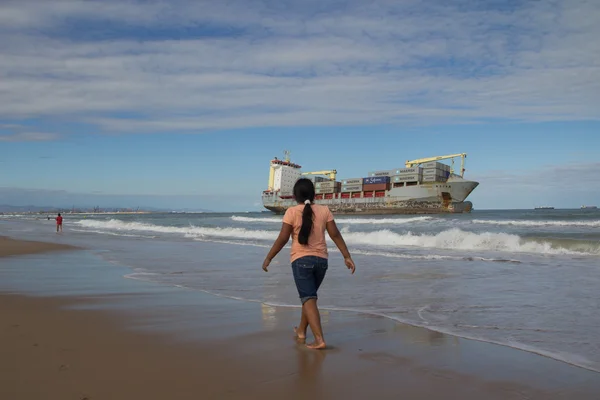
<point x="12" y="247"/>
<point x="123" y="346"/>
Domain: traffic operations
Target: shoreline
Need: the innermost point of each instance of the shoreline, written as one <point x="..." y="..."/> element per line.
<point x="211" y="345"/>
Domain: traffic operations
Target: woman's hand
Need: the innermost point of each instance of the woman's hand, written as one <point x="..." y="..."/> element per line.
<point x="349" y="263"/>
<point x="266" y="265"/>
<point x="282" y="239"/>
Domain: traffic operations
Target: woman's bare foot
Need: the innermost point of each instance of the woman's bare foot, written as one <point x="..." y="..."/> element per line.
<point x="299" y="335"/>
<point x="317" y="345"/>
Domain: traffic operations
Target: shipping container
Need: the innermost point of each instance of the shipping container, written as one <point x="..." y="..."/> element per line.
<point x="430" y="178"/>
<point x="328" y="196"/>
<point x="382" y="173"/>
<point x="345" y="195"/>
<point x="327" y="190"/>
<point x="376" y="186"/>
<point x="326" y="184"/>
<point x="437" y="171"/>
<point x="352" y="181"/>
<point x="319" y="179"/>
<point x="380" y="193"/>
<point x="356" y="195"/>
<point x="318" y="197"/>
<point x="436" y="165"/>
<point x="352" y="188"/>
<point x="407" y="171"/>
<point x="398" y="184"/>
<point x="376" y="179"/>
<point x="407" y="178"/>
<point x="367" y="194"/>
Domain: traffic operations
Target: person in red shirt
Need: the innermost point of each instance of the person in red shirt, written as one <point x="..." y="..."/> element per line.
<point x="59" y="223"/>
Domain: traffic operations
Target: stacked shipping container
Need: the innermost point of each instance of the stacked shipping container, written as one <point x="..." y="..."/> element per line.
<point x="351" y="188"/>
<point x="327" y="187"/>
<point x="352" y="185"/>
<point x="396" y="171"/>
<point x="413" y="174"/>
<point x="378" y="182"/>
<point x="435" y="172"/>
<point x="375" y="186"/>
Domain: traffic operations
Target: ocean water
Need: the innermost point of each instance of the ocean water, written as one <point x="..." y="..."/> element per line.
<point x="525" y="279"/>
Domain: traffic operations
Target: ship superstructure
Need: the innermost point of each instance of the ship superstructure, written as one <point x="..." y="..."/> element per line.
<point x="421" y="186"/>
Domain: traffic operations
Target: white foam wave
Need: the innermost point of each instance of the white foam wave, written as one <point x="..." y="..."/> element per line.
<point x="407" y="256"/>
<point x="357" y="221"/>
<point x="594" y="223"/>
<point x="191" y="231"/>
<point x="433" y="257"/>
<point x="382" y="221"/>
<point x="457" y="239"/>
<point x="250" y="219"/>
<point x="113" y="233"/>
<point x="451" y="239"/>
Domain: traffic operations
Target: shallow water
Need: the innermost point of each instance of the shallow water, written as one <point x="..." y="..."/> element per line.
<point x="525" y="279"/>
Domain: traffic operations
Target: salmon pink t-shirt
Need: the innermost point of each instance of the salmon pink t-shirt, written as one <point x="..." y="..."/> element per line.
<point x="316" y="240"/>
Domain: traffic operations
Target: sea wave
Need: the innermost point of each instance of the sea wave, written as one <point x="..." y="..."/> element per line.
<point x="457" y="239"/>
<point x="191" y="231"/>
<point x="532" y="223"/>
<point x="357" y="221"/>
<point x="432" y="257"/>
<point x="251" y="219"/>
<point x="450" y="239"/>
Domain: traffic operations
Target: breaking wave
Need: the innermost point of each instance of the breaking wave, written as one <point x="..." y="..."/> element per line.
<point x="250" y="219"/>
<point x="457" y="239"/>
<point x="451" y="239"/>
<point x="594" y="223"/>
<point x="388" y="221"/>
<point x="191" y="231"/>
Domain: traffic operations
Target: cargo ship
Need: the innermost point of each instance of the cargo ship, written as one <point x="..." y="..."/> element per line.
<point x="421" y="186"/>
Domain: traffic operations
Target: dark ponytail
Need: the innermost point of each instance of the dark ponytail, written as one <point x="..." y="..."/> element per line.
<point x="304" y="192"/>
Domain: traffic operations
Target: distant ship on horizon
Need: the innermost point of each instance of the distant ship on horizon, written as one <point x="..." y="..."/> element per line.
<point x="544" y="208"/>
<point x="589" y="207"/>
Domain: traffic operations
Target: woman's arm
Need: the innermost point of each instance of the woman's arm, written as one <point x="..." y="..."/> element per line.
<point x="282" y="239"/>
<point x="337" y="238"/>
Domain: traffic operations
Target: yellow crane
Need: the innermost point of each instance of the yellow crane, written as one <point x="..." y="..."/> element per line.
<point x="418" y="161"/>
<point x="331" y="173"/>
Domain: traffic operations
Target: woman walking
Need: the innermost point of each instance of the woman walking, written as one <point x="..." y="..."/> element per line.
<point x="306" y="223"/>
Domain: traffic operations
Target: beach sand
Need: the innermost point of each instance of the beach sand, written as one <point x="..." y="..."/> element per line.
<point x="12" y="247"/>
<point x="81" y="347"/>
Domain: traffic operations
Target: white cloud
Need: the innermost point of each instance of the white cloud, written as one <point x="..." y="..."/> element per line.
<point x="304" y="63"/>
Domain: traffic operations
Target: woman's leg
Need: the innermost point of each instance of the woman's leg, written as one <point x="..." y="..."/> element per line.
<point x="309" y="272"/>
<point x="301" y="329"/>
<point x="310" y="310"/>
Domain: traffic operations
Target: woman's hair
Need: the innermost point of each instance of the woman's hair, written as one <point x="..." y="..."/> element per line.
<point x="305" y="190"/>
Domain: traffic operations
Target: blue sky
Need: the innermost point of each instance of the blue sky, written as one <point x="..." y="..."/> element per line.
<point x="182" y="104"/>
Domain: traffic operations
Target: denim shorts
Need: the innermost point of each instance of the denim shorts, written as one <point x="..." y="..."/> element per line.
<point x="309" y="272"/>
